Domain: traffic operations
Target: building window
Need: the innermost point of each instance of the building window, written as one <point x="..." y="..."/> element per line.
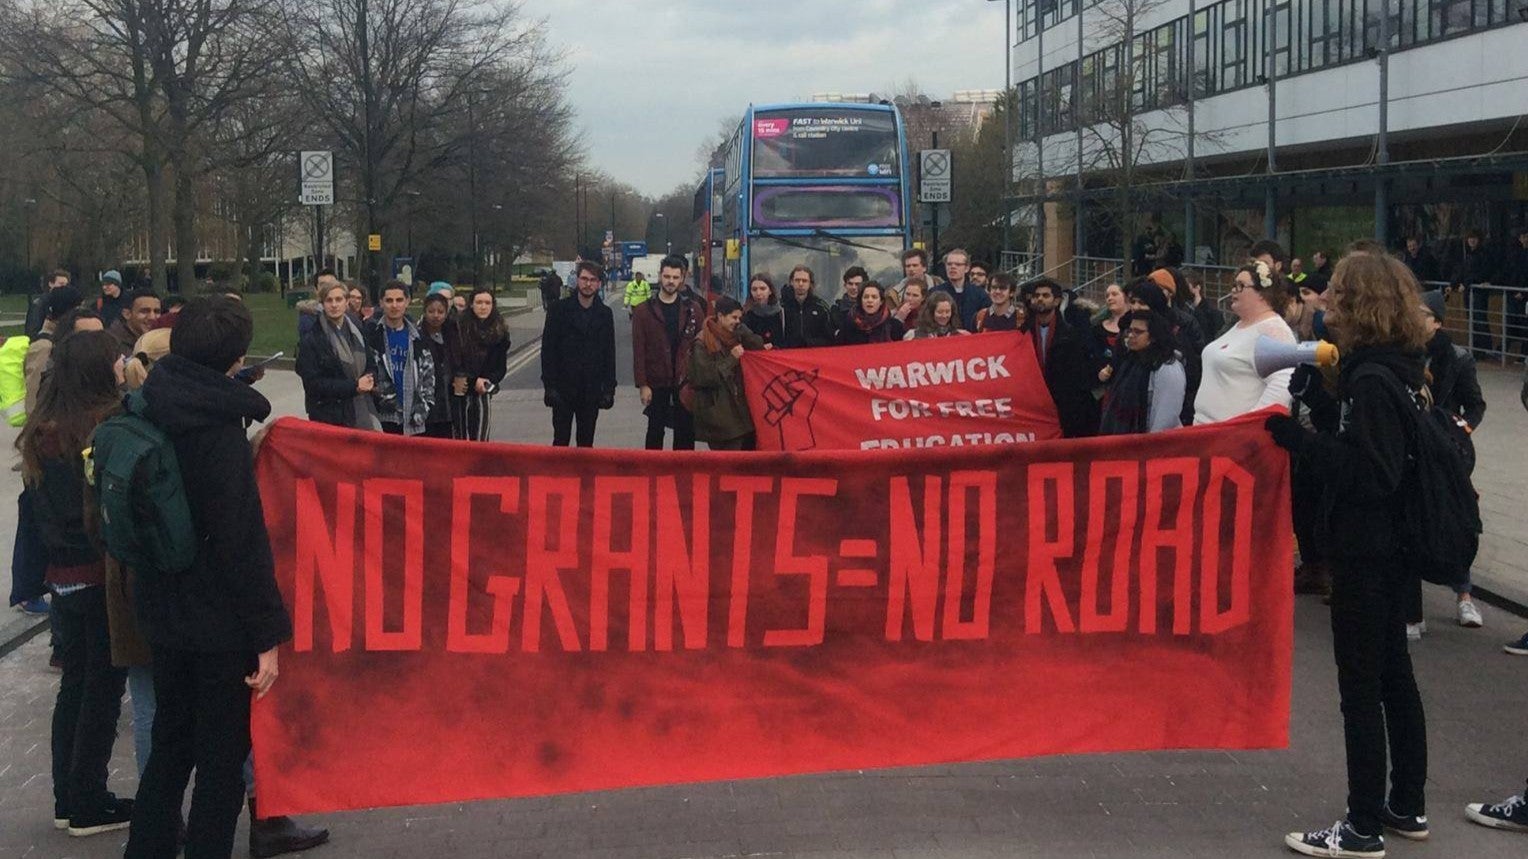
<point x="1233" y="45"/>
<point x="1204" y="62"/>
<point x="1057" y="97"/>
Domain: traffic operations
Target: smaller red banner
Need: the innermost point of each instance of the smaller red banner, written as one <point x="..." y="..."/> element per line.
<point x="937" y="392"/>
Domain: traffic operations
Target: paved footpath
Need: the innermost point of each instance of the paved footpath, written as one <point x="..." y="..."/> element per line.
<point x="1194" y="804"/>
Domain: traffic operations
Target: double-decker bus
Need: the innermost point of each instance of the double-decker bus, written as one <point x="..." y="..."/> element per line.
<point x="709" y="244"/>
<point x="820" y="185"/>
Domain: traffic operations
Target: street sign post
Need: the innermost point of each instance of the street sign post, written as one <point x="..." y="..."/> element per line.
<point x="935" y="176"/>
<point x="316" y="169"/>
<point x="935" y="183"/>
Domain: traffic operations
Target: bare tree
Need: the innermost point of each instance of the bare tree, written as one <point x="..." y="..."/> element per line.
<point x="214" y="59"/>
<point x="99" y="56"/>
<point x="1129" y="100"/>
<point x="401" y="86"/>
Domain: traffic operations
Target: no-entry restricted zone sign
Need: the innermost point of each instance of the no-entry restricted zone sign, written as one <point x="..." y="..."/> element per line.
<point x="478" y="621"/>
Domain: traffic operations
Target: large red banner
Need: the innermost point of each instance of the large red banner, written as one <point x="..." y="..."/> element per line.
<point x="939" y="392"/>
<point x="481" y="621"/>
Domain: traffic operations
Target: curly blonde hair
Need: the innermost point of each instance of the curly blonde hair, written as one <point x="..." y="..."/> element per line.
<point x="1372" y="301"/>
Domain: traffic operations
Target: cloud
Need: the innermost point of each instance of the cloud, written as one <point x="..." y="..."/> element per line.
<point x="653" y="79"/>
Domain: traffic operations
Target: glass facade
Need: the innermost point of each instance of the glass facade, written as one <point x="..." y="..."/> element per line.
<point x="1231" y="50"/>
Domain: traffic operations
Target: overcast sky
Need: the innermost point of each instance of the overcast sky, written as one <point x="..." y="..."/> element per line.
<point x="653" y="79"/>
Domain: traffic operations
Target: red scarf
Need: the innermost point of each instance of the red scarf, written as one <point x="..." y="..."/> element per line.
<point x="867" y="323"/>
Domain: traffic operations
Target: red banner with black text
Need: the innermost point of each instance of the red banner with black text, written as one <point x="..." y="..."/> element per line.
<point x="480" y="621"/>
<point x="938" y="392"/>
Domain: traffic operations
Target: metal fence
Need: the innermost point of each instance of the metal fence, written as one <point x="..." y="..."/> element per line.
<point x="1488" y="319"/>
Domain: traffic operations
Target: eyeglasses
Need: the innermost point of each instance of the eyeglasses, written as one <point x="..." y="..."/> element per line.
<point x="1134" y="332"/>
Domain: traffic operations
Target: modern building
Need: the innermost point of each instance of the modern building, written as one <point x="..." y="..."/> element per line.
<point x="1310" y="121"/>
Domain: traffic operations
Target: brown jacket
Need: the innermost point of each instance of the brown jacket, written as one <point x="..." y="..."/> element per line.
<point x="654" y="364"/>
<point x="129" y="649"/>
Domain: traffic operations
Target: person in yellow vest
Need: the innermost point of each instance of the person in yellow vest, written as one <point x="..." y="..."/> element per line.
<point x="638" y="291"/>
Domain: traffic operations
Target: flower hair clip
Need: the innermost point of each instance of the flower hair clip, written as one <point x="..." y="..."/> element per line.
<point x="1264" y="274"/>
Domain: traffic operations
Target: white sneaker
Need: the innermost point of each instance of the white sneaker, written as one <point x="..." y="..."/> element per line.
<point x="1469" y="615"/>
<point x="1414" y="631"/>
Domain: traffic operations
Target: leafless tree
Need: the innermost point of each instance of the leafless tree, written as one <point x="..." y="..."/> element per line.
<point x="404" y="86"/>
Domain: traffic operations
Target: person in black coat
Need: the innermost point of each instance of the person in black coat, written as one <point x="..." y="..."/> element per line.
<point x="436" y="328"/>
<point x="762" y="313"/>
<point x="1420" y="260"/>
<point x="478" y="365"/>
<point x="1515" y="274"/>
<point x="808" y="319"/>
<point x="1474" y="266"/>
<point x="213" y="628"/>
<point x="1064" y="359"/>
<point x="870" y="319"/>
<point x="578" y="358"/>
<point x="1362" y="469"/>
<point x="337" y="391"/>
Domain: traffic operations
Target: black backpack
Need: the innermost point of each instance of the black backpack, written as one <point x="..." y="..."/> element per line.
<point x="1440" y="515"/>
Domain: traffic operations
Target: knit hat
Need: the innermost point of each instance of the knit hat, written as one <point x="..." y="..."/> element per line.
<point x="61" y="301"/>
<point x="1432" y="300"/>
<point x="1317" y="284"/>
<point x="112" y="276"/>
<point x="438" y="287"/>
<point x="1164" y="279"/>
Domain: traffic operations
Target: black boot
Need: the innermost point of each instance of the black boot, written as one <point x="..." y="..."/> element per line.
<point x="277" y="835"/>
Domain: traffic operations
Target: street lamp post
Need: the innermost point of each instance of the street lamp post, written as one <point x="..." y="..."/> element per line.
<point x="1009" y="108"/>
<point x="668" y="246"/>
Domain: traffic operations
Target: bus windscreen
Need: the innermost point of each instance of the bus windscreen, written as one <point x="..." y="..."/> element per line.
<point x="824" y="142"/>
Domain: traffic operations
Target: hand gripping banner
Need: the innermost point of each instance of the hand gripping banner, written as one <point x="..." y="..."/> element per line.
<point x="943" y="392"/>
<point x="477" y="621"/>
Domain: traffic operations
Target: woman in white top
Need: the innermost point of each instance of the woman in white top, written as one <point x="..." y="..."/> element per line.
<point x="1231" y="386"/>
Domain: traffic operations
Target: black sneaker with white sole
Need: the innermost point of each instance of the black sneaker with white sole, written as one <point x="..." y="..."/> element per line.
<point x="115" y="814"/>
<point x="1341" y="841"/>
<point x="1412" y="827"/>
<point x="1510" y="814"/>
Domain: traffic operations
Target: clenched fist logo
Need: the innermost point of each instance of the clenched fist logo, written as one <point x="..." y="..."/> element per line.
<point x="790" y="398"/>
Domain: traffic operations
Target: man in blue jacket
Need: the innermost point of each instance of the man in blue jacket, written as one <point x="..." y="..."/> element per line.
<point x="968" y="298"/>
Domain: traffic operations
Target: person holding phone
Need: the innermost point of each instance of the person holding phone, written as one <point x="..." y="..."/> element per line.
<point x="479" y="362"/>
<point x="338" y="372"/>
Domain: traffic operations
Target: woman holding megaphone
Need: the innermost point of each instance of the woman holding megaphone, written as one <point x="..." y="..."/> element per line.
<point x="1360" y="470"/>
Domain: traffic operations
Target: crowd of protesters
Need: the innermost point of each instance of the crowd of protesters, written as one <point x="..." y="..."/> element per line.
<point x="192" y="649"/>
<point x="1157" y="355"/>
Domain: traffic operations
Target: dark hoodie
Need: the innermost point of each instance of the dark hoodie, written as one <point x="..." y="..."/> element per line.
<point x="1361" y="467"/>
<point x="1455" y="385"/>
<point x="227" y="601"/>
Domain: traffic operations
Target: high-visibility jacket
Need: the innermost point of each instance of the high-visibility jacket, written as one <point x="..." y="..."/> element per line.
<point x="13" y="384"/>
<point x="637" y="292"/>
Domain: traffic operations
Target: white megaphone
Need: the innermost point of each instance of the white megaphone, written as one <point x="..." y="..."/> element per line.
<point x="1269" y="356"/>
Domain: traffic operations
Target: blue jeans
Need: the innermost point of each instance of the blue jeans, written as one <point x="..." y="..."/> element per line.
<point x="140" y="685"/>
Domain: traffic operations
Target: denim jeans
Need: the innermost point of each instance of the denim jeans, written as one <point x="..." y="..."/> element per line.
<point x="140" y="687"/>
<point x="1380" y="703"/>
<point x="89" y="702"/>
